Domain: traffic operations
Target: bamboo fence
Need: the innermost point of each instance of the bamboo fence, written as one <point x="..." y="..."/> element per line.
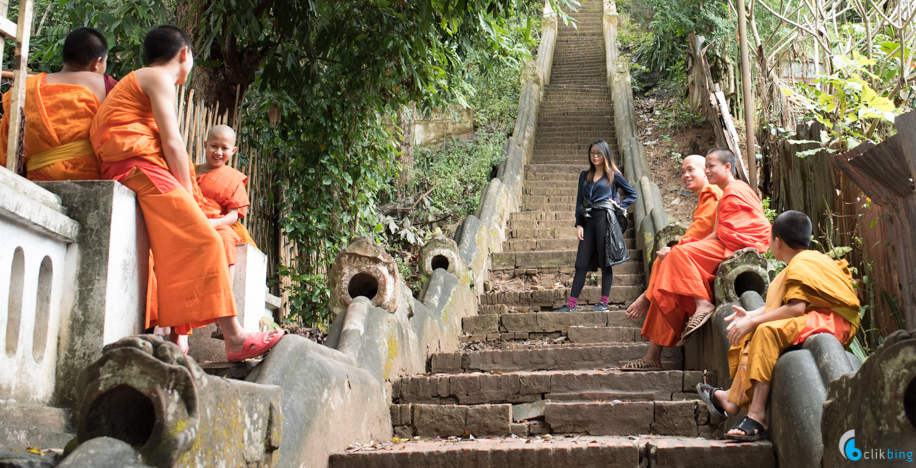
<point x="194" y="120"/>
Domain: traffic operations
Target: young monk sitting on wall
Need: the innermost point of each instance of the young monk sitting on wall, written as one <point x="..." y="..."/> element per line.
<point x="812" y="295"/>
<point x="224" y="193"/>
<point x="683" y="287"/>
<point x="58" y="110"/>
<point x="135" y="135"/>
<point x="693" y="175"/>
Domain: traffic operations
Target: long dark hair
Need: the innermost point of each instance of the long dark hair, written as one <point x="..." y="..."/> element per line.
<point x="610" y="169"/>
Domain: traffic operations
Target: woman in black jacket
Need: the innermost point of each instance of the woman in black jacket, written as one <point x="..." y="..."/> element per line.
<point x="597" y="186"/>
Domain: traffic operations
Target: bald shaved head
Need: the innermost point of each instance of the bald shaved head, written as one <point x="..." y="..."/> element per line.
<point x="221" y="130"/>
<point x="693" y="173"/>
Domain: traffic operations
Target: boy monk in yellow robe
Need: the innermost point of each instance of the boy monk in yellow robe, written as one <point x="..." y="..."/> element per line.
<point x="224" y="193"/>
<point x="682" y="292"/>
<point x="135" y="135"/>
<point x="58" y="110"/>
<point x="693" y="176"/>
<point x="814" y="294"/>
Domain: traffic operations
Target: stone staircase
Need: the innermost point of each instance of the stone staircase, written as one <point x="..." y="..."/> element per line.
<point x="532" y="387"/>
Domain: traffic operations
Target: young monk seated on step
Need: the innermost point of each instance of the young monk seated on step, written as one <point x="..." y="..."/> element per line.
<point x="693" y="175"/>
<point x="683" y="286"/>
<point x="58" y="110"/>
<point x="224" y="193"/>
<point x="135" y="135"/>
<point x="814" y="294"/>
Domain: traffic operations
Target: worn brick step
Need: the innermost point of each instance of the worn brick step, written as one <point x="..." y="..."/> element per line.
<point x="534" y="186"/>
<point x="553" y="168"/>
<point x="552" y="299"/>
<point x="552" y="199"/>
<point x="547" y="215"/>
<point x="545" y="322"/>
<point x="567" y="358"/>
<point x="604" y="335"/>
<point x="548" y="207"/>
<point x="525" y="387"/>
<point x="565" y="232"/>
<point x="550" y="190"/>
<point x="545" y="259"/>
<point x="539" y="244"/>
<point x="544" y="223"/>
<point x="596" y="452"/>
<point x="551" y="176"/>
<point x="553" y="259"/>
<point x="590" y="452"/>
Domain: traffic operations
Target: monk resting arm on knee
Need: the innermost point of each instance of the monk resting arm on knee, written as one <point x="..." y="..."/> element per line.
<point x="744" y="322"/>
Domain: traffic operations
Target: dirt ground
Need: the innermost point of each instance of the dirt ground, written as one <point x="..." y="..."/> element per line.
<point x="665" y="148"/>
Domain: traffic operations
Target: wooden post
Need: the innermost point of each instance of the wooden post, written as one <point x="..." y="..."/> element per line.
<point x="20" y="73"/>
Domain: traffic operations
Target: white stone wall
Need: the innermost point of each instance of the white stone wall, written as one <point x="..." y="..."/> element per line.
<point x="34" y="237"/>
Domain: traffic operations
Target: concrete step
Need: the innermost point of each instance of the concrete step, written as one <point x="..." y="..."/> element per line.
<point x="545" y="359"/>
<point x="538" y="244"/>
<point x="591" y="452"/>
<point x="547" y="259"/>
<point x="550" y="299"/>
<point x="23" y="426"/>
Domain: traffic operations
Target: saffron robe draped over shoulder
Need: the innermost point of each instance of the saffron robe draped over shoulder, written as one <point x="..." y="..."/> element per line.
<point x="826" y="286"/>
<point x="57" y="119"/>
<point x="655" y="326"/>
<point x="224" y="189"/>
<point x="191" y="273"/>
<point x="690" y="268"/>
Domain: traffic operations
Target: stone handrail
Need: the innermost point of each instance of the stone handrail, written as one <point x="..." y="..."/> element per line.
<point x="650" y="216"/>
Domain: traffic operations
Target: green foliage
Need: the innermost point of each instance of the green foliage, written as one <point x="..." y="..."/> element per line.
<point x="770" y="213"/>
<point x="672" y="22"/>
<point x="677" y="115"/>
<point x="845" y="103"/>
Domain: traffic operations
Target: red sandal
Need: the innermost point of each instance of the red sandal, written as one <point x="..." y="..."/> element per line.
<point x="256" y="345"/>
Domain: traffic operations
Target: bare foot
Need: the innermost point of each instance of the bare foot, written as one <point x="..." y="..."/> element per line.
<point x="639" y="307"/>
<point x="721" y="398"/>
<point x="704" y="306"/>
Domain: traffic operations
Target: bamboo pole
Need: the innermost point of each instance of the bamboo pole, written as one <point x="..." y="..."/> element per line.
<point x="748" y="97"/>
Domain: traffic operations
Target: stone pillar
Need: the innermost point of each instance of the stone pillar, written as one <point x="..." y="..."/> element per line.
<point x="108" y="266"/>
<point x="250" y="286"/>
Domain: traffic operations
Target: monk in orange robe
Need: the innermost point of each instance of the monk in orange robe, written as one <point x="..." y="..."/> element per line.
<point x="224" y="193"/>
<point x="58" y="110"/>
<point x="136" y="137"/>
<point x="682" y="289"/>
<point x="693" y="176"/>
<point x="814" y="294"/>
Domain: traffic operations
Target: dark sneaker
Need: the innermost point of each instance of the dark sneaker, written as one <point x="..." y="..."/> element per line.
<point x="564" y="309"/>
<point x="601" y="307"/>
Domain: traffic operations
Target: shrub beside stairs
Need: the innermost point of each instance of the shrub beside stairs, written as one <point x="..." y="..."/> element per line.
<point x="537" y="388"/>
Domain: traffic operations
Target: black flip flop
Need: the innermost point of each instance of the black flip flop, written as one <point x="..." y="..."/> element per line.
<point x="706" y="393"/>
<point x="753" y="431"/>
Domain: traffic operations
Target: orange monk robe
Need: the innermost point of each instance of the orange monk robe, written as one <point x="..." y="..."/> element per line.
<point x="56" y="142"/>
<point x="224" y="190"/>
<point x="690" y="268"/>
<point x="191" y="271"/>
<point x="826" y="286"/>
<point x="704" y="221"/>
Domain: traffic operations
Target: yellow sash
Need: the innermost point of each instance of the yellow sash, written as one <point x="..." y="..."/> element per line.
<point x="62" y="153"/>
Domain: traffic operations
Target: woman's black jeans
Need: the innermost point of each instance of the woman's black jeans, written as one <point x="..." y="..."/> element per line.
<point x="595" y="231"/>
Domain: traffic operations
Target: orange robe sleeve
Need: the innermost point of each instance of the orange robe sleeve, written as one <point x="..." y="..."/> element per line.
<point x="704" y="216"/>
<point x="741" y="222"/>
<point x="55" y="115"/>
<point x="225" y="188"/>
<point x="826" y="285"/>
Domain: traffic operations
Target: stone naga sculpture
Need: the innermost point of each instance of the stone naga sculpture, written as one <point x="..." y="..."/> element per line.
<point x="364" y="269"/>
<point x="440" y="252"/>
<point x="145" y="392"/>
<point x="878" y="402"/>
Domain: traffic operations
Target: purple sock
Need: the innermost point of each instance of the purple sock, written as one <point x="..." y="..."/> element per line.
<point x="604" y="300"/>
<point x="572" y="302"/>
